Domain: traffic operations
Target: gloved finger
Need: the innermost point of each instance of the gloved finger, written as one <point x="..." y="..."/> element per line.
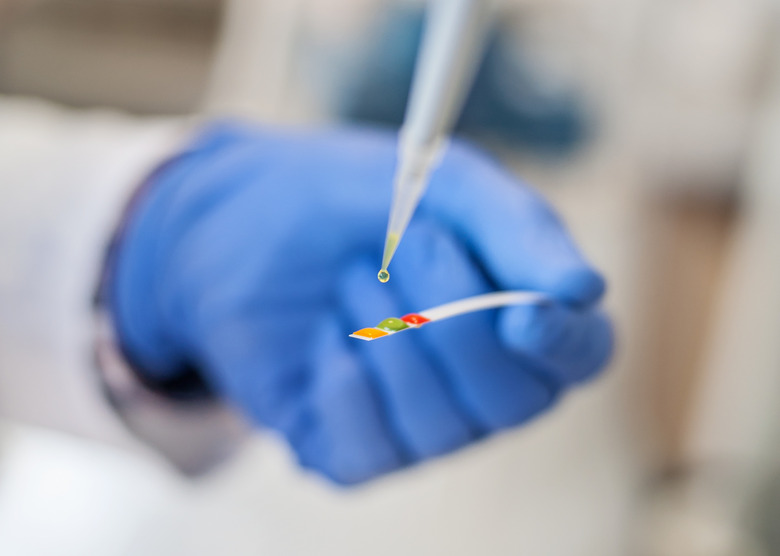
<point x="345" y="435"/>
<point x="571" y="344"/>
<point x="486" y="379"/>
<point x="418" y="407"/>
<point x="517" y="237"/>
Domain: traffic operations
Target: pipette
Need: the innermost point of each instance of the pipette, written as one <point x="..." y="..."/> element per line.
<point x="450" y="52"/>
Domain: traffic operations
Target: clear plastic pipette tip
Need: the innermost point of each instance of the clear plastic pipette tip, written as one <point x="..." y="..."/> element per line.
<point x="410" y="181"/>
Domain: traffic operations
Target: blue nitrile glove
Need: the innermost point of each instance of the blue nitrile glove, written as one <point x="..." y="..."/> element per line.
<point x="253" y="256"/>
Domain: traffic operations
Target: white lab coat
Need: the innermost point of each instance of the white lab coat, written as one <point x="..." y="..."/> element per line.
<point x="64" y="177"/>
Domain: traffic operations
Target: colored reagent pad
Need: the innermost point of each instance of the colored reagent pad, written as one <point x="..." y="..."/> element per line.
<point x="414" y="318"/>
<point x="392" y="324"/>
<point x="370" y="333"/>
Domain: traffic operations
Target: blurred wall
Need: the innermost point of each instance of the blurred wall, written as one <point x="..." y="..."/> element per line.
<point x="144" y="56"/>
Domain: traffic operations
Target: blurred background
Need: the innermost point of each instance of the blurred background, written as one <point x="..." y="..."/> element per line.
<point x="653" y="126"/>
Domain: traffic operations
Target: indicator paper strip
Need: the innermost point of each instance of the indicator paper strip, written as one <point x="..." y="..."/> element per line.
<point x="391" y="326"/>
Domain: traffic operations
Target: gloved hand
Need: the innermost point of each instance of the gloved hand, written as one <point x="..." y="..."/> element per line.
<point x="254" y="255"/>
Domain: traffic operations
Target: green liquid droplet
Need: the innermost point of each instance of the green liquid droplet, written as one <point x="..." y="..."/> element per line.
<point x="383" y="276"/>
<point x="392" y="324"/>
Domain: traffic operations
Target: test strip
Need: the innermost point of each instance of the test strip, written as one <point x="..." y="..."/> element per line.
<point x="392" y="325"/>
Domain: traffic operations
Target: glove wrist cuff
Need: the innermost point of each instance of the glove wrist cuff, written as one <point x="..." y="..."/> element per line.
<point x="130" y="285"/>
<point x="149" y="287"/>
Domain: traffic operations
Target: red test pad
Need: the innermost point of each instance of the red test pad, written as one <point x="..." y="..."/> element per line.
<point x="415" y="319"/>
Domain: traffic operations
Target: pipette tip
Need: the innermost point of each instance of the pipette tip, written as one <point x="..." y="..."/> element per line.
<point x="391" y="244"/>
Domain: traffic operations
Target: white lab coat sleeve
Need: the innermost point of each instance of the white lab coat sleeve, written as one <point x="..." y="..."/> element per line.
<point x="65" y="176"/>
